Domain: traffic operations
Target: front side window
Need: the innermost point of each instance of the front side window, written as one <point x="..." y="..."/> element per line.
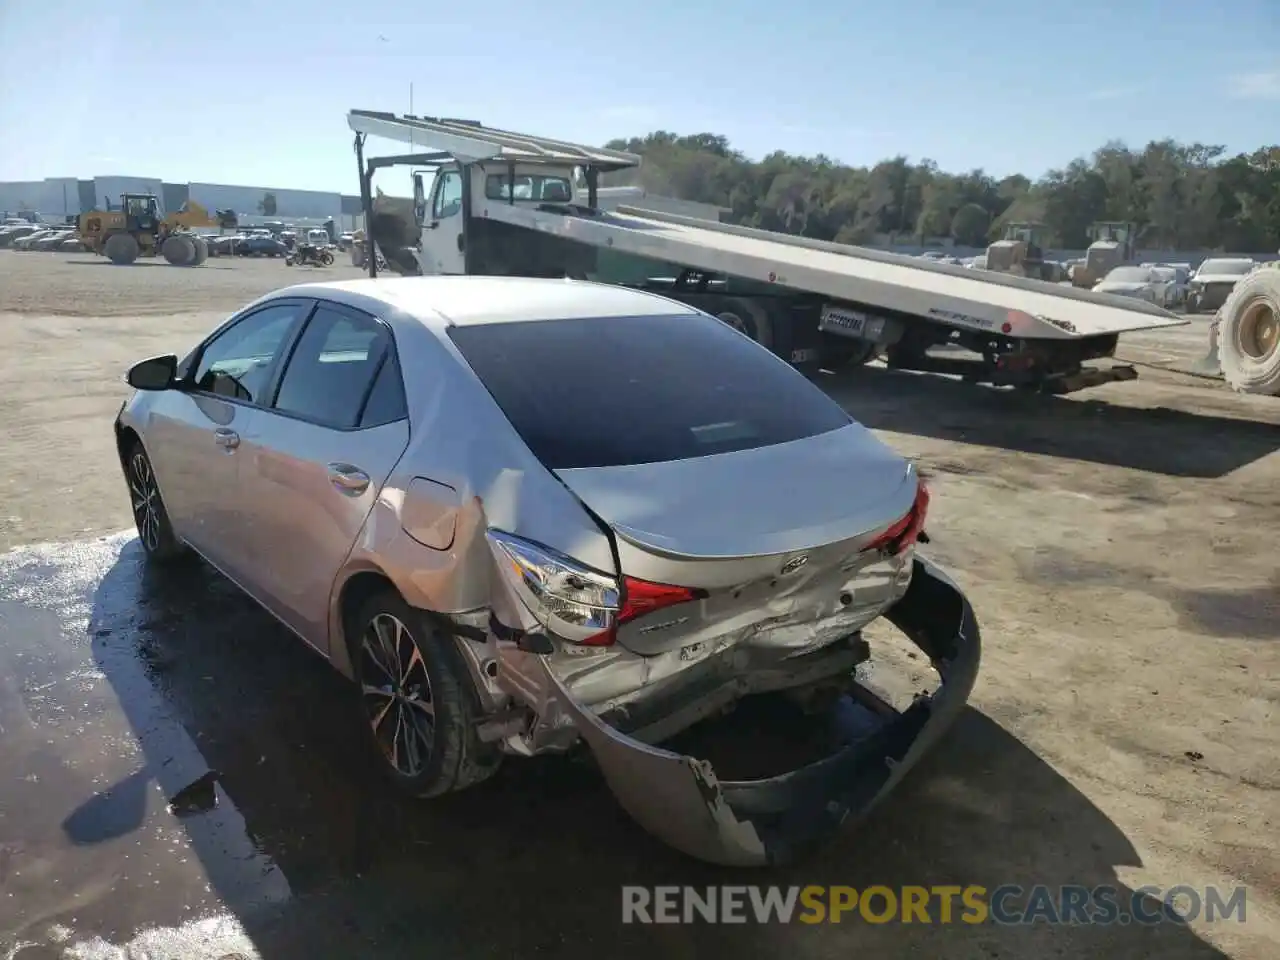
<point x="238" y="362"/>
<point x="331" y="371"/>
<point x="448" y="195"/>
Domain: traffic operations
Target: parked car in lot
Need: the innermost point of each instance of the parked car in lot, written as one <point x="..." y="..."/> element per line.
<point x="221" y="246"/>
<point x="1158" y="285"/>
<point x="664" y="520"/>
<point x="12" y="233"/>
<point x="260" y="245"/>
<point x="1177" y="277"/>
<point x="1213" y="282"/>
<point x="53" y="240"/>
<point x="30" y="241"/>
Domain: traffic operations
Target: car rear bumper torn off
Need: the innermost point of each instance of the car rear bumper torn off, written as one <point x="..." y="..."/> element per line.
<point x="680" y="800"/>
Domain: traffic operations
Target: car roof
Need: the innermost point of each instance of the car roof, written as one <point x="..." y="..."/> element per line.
<point x="445" y="301"/>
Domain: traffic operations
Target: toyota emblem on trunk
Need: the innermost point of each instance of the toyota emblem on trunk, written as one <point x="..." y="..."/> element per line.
<point x="794" y="564"/>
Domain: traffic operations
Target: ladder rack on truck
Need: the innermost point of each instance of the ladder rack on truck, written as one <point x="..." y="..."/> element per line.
<point x="509" y="203"/>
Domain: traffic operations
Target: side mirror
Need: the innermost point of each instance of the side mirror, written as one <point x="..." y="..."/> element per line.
<point x="419" y="198"/>
<point x="155" y="373"/>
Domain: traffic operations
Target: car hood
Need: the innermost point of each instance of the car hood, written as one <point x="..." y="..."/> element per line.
<point x="1207" y="278"/>
<point x="784" y="497"/>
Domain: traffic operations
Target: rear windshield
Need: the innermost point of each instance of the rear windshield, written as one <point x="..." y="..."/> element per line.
<point x="626" y="390"/>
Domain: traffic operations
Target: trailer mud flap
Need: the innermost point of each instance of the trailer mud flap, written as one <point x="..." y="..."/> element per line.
<point x="680" y="800"/>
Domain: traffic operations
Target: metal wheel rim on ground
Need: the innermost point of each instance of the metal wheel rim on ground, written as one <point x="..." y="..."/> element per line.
<point x="1259" y="331"/>
<point x="396" y="693"/>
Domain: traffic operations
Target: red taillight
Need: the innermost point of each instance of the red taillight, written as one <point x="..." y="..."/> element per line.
<point x="906" y="531"/>
<point x="640" y="597"/>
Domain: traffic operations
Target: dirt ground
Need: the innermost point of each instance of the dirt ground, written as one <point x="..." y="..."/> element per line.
<point x="1119" y="546"/>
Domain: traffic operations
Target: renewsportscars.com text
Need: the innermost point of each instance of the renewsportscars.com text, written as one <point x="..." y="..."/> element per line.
<point x="1006" y="905"/>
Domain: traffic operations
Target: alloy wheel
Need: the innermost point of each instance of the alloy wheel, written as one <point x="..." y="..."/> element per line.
<point x="396" y="692"/>
<point x="145" y="496"/>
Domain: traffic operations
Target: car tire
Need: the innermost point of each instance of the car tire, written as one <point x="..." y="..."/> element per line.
<point x="420" y="728"/>
<point x="150" y="516"/>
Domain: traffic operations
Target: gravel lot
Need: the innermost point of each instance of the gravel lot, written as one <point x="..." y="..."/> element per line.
<point x="1119" y="546"/>
<point x="82" y="285"/>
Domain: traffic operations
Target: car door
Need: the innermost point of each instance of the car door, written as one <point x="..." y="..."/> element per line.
<point x="194" y="431"/>
<point x="315" y="462"/>
<point x="442" y="233"/>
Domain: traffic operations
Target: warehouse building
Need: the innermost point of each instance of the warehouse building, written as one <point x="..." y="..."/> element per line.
<point x="56" y="198"/>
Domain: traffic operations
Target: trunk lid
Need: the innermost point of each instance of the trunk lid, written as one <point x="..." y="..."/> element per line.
<point x="773" y="538"/>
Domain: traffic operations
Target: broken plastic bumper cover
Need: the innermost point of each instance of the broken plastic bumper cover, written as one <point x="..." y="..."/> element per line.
<point x="759" y="822"/>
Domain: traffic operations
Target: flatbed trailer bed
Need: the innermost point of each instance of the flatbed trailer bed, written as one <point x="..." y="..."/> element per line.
<point x="809" y="300"/>
<point x="875" y="279"/>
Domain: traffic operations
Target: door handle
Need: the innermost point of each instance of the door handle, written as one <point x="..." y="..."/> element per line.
<point x="226" y="438"/>
<point x="348" y="480"/>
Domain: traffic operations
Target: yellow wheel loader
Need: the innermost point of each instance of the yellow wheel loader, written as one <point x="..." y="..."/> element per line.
<point x="1111" y="245"/>
<point x="1021" y="253"/>
<point x="138" y="230"/>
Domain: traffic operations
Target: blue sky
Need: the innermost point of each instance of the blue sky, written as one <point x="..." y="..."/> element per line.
<point x="256" y="93"/>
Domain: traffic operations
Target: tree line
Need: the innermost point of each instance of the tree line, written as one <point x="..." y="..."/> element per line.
<point x="1179" y="196"/>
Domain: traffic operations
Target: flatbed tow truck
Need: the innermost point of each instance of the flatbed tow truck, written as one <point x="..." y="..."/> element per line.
<point x="504" y="203"/>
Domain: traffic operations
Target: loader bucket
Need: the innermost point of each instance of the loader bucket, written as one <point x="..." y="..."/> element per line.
<point x="1209" y="365"/>
<point x="395" y="230"/>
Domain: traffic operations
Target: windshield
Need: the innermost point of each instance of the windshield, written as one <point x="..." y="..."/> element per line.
<point x="615" y="391"/>
<point x="1236" y="268"/>
<point x="546" y="189"/>
<point x="1129" y="275"/>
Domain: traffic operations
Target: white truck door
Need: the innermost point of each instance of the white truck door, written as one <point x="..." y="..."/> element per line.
<point x="442" y="228"/>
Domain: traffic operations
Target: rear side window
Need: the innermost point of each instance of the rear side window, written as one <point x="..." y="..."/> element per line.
<point x="626" y="390"/>
<point x="333" y="366"/>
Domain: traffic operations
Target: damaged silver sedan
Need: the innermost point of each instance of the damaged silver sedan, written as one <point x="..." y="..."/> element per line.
<point x="523" y="515"/>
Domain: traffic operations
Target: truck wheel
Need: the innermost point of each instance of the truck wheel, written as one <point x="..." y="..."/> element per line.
<point x="747" y="317"/>
<point x="851" y="353"/>
<point x="121" y="249"/>
<point x="202" y="251"/>
<point x="1249" y="334"/>
<point x="178" y="250"/>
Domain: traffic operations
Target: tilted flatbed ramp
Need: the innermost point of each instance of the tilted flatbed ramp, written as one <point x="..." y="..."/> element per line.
<point x="874" y="279"/>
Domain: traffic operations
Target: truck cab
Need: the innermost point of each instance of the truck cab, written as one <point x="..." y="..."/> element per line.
<point x="442" y="215"/>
